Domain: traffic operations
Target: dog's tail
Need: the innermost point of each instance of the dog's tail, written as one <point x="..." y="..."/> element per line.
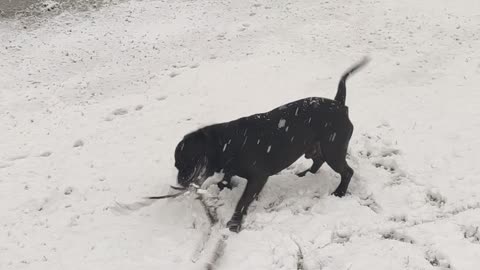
<point x="342" y="89"/>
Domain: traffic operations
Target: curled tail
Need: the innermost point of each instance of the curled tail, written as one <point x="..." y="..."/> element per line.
<point x="342" y="89"/>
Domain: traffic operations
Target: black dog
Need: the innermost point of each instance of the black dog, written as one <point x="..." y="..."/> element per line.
<point x="261" y="145"/>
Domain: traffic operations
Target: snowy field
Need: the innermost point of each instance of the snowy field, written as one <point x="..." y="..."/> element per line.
<point x="92" y="105"/>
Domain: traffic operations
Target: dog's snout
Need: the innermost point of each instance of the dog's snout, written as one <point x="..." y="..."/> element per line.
<point x="182" y="182"/>
<point x="184" y="179"/>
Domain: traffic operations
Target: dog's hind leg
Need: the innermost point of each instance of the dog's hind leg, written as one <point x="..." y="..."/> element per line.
<point x="346" y="174"/>
<point x="335" y="151"/>
<point x="253" y="188"/>
<point x="335" y="156"/>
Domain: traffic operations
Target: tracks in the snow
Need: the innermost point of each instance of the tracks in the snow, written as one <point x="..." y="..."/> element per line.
<point x="383" y="160"/>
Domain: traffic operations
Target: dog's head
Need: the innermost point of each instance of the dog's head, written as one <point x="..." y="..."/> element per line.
<point x="192" y="159"/>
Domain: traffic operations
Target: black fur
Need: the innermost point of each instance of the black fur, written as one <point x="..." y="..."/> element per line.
<point x="261" y="145"/>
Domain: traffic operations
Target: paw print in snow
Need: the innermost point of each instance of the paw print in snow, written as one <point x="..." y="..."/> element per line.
<point x="472" y="233"/>
<point x="437" y="260"/>
<point x="120" y="111"/>
<point x="435" y="198"/>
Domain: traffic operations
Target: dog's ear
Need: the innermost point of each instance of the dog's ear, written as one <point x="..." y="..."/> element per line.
<point x="199" y="137"/>
<point x="204" y="134"/>
<point x="208" y="139"/>
<point x="204" y="140"/>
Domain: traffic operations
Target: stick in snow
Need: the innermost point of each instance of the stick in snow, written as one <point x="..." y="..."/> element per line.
<point x="212" y="218"/>
<point x="300" y="265"/>
<point x="217" y="253"/>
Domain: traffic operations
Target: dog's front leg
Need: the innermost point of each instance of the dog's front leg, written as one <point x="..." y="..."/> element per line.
<point x="253" y="188"/>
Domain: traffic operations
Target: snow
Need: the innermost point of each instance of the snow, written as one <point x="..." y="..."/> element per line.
<point x="124" y="84"/>
<point x="244" y="141"/>
<point x="332" y="137"/>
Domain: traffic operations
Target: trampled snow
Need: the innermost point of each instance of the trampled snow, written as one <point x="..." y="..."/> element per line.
<point x="93" y="104"/>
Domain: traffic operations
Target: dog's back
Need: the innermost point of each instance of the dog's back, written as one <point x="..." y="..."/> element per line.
<point x="273" y="140"/>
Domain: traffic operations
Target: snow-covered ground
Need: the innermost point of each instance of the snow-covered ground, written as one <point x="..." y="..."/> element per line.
<point x="93" y="104"/>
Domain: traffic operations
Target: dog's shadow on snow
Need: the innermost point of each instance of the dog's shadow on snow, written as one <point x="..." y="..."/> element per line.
<point x="284" y="191"/>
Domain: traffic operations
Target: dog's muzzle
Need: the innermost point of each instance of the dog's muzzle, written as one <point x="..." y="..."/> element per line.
<point x="197" y="177"/>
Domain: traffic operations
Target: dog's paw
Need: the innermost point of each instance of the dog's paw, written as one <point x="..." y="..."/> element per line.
<point x="224" y="184"/>
<point x="302" y="174"/>
<point x="234" y="225"/>
<point x="235" y="222"/>
<point x="339" y="193"/>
